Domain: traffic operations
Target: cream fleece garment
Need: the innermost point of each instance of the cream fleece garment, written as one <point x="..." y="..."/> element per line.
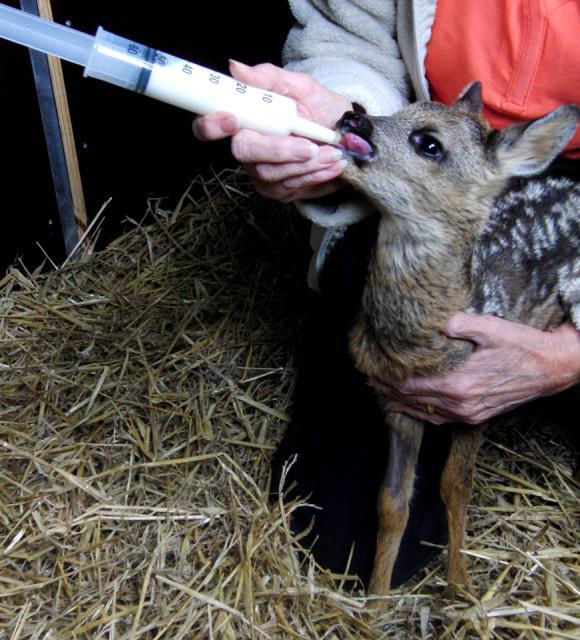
<point x="371" y="51"/>
<point x="350" y="48"/>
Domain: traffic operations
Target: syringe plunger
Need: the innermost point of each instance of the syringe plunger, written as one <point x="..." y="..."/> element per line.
<point x="159" y="75"/>
<point x="44" y="35"/>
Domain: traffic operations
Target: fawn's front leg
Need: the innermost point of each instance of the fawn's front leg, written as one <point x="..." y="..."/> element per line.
<point x="456" y="484"/>
<point x="405" y="434"/>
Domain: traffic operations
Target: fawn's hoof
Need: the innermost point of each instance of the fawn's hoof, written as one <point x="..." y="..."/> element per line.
<point x="378" y="587"/>
<point x="451" y="591"/>
<point x="454" y="590"/>
<point x="378" y="605"/>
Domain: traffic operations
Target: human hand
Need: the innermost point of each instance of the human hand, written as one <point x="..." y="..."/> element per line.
<point x="511" y="365"/>
<point x="285" y="168"/>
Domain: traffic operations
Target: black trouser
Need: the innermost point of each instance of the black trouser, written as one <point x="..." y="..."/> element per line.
<point x="339" y="435"/>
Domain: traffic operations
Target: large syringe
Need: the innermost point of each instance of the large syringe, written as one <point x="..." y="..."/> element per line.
<point x="159" y="75"/>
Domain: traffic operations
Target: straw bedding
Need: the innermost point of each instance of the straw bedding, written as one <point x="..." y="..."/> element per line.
<point x="143" y="390"/>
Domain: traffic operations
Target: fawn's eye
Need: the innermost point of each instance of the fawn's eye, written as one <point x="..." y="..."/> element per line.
<point x="426" y="145"/>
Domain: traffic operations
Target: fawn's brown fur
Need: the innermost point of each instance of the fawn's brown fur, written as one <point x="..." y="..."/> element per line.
<point x="435" y="201"/>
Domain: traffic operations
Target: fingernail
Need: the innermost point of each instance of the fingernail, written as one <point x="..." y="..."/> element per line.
<point x="314" y="150"/>
<point x="308" y="151"/>
<point x="228" y="126"/>
<point x="236" y="63"/>
<point x="328" y="155"/>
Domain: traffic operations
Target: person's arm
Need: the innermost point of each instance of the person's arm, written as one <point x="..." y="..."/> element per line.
<point x="345" y="52"/>
<point x="512" y="364"/>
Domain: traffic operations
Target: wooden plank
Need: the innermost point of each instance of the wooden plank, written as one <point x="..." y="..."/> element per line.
<point x="66" y="129"/>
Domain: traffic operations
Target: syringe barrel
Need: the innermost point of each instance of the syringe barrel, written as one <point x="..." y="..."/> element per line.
<point x="162" y="76"/>
<point x="119" y="61"/>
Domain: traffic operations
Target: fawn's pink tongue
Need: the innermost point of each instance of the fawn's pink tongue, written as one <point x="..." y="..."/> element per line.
<point x="356" y="144"/>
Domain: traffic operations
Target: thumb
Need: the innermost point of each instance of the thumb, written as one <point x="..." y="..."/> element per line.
<point x="267" y="76"/>
<point x="480" y="329"/>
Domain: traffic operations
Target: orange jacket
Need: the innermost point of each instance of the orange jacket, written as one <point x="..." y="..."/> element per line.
<point x="525" y="52"/>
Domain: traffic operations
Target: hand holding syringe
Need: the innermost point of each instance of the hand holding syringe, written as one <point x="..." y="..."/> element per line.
<point x="159" y="75"/>
<point x="285" y="168"/>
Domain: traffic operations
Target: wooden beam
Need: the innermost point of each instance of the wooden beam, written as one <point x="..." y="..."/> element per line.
<point x="59" y="136"/>
<point x="66" y="128"/>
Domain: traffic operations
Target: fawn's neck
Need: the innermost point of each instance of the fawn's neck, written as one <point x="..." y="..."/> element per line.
<point x="415" y="283"/>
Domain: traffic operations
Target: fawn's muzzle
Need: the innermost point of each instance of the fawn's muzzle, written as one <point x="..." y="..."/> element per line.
<point x="357" y="130"/>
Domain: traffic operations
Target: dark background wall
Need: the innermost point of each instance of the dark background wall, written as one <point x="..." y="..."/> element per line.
<point x="130" y="147"/>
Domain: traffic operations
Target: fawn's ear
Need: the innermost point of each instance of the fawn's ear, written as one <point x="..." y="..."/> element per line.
<point x="529" y="148"/>
<point x="470" y="99"/>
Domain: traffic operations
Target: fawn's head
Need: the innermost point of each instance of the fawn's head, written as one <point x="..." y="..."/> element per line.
<point x="432" y="162"/>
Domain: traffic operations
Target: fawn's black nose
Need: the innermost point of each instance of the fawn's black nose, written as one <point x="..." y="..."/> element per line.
<point x="357" y="130"/>
<point x="356" y="122"/>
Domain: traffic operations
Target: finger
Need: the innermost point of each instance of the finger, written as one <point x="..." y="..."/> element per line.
<point x="318" y="191"/>
<point x="215" y="126"/>
<point x="249" y="146"/>
<point x="415" y="401"/>
<point x="269" y="76"/>
<point x="433" y="408"/>
<point x="404" y="392"/>
<point x="451" y="391"/>
<point x="413" y="387"/>
<point x="426" y="387"/>
<point x="281" y="194"/>
<point x="316" y="177"/>
<point x="481" y="329"/>
<point x="300" y="187"/>
<point x="384" y="388"/>
<point x="420" y="414"/>
<point x="279" y="172"/>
